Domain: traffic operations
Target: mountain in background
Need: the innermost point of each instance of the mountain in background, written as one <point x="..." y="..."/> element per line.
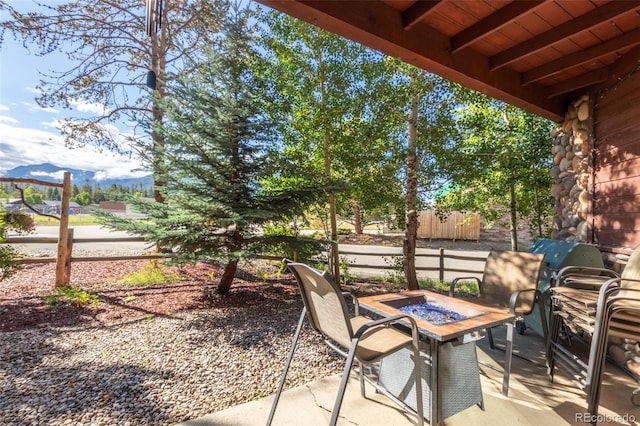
<point x="50" y="173"/>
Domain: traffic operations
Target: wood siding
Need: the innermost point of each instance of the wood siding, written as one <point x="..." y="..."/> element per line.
<point x="457" y="226"/>
<point x="616" y="172"/>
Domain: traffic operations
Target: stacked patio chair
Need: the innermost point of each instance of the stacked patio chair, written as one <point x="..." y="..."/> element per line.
<point x="357" y="338"/>
<point x="509" y="280"/>
<point x="591" y="305"/>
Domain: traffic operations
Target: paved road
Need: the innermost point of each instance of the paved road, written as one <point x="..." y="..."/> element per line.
<point x="82" y="231"/>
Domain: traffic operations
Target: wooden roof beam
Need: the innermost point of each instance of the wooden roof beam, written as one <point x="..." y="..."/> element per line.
<point x="493" y="23"/>
<point x="621" y="68"/>
<point x="416" y="12"/>
<point x="579" y="82"/>
<point x="618" y="43"/>
<point x="563" y="31"/>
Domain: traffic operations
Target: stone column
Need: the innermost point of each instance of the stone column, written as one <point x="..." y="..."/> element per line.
<point x="572" y="145"/>
<point x="572" y="148"/>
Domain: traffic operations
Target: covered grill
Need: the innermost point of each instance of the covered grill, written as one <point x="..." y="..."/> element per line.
<point x="558" y="254"/>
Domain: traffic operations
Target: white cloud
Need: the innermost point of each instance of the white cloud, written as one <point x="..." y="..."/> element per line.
<point x="48" y="109"/>
<point x="92" y="108"/>
<point x="7" y="119"/>
<point x="4" y="108"/>
<point x="55" y="124"/>
<point x="21" y="146"/>
<point x="80" y="105"/>
<point x="36" y="107"/>
<point x="54" y="175"/>
<point x="119" y="174"/>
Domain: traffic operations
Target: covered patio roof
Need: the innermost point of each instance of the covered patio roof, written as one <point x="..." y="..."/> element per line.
<point x="538" y="55"/>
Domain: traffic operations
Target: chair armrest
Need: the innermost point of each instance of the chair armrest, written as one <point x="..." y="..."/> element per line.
<point x="612" y="296"/>
<point x="608" y="288"/>
<point x="389" y="320"/>
<point x="626" y="303"/>
<point x="613" y="286"/>
<point x="452" y="287"/>
<point x="354" y="299"/>
<point x="577" y="272"/>
<point x="513" y="301"/>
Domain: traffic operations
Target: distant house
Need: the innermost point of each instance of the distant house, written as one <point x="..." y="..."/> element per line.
<point x="53" y="207"/>
<point x="12" y="204"/>
<point x="114" y="206"/>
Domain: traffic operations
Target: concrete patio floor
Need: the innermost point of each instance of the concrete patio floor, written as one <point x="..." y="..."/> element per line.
<point x="532" y="400"/>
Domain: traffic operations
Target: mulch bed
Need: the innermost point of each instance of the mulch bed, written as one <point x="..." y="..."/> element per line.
<point x="29" y="300"/>
<point x="26" y="302"/>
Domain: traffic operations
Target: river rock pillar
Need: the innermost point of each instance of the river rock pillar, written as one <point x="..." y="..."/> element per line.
<point x="571" y="169"/>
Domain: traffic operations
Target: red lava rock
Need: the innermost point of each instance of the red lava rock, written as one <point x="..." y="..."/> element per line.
<point x="23" y="297"/>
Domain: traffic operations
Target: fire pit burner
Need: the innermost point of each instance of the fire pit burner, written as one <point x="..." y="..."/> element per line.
<point x="434" y="314"/>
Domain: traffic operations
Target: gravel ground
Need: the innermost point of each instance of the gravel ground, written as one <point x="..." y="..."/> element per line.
<point x="167" y="365"/>
<point x="154" y="371"/>
<point x="158" y="363"/>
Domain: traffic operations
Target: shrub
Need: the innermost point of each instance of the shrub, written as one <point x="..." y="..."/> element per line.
<point x="462" y="287"/>
<point x="15" y="221"/>
<point x="73" y="296"/>
<point x="285" y="242"/>
<point x="150" y="274"/>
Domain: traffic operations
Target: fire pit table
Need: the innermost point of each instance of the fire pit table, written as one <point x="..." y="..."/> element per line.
<point x="449" y="328"/>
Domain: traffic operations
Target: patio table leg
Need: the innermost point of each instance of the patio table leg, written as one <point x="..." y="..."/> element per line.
<point x="435" y="408"/>
<point x="507" y="359"/>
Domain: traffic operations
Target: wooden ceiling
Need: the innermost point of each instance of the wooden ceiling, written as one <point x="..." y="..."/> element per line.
<point x="538" y="55"/>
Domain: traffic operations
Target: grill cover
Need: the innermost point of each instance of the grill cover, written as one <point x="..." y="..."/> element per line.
<point x="557" y="255"/>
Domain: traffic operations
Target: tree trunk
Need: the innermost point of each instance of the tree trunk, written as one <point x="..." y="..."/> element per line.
<point x="227" y="277"/>
<point x="538" y="212"/>
<point x="334" y="258"/>
<point x="357" y="221"/>
<point x="229" y="272"/>
<point x="158" y="63"/>
<point x="513" y="217"/>
<point x="411" y="231"/>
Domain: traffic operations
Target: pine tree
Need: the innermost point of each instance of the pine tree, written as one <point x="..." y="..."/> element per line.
<point x="216" y="150"/>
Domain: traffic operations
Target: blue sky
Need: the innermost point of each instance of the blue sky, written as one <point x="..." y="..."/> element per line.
<point x="29" y="134"/>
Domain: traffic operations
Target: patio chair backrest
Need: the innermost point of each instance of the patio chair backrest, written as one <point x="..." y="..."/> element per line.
<point x="326" y="308"/>
<point x="508" y="271"/>
<point x="631" y="271"/>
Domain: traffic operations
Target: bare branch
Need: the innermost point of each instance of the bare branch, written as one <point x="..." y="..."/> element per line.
<point x="29" y="206"/>
<point x="110" y="54"/>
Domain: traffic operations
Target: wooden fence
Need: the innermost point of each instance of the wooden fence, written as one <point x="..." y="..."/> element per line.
<point x="457" y="226"/>
<point x="71" y="242"/>
<point x="63" y="260"/>
<point x="438" y="264"/>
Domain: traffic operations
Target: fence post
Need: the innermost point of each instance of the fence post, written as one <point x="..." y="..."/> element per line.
<point x="441" y="264"/>
<point x="67" y="257"/>
<point x="63" y="257"/>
